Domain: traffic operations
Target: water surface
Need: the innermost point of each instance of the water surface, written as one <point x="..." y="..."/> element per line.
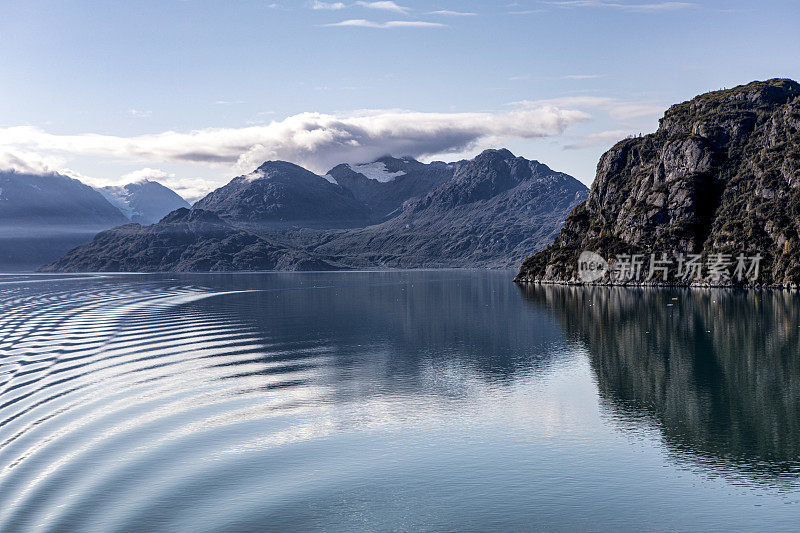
<point x="449" y="400"/>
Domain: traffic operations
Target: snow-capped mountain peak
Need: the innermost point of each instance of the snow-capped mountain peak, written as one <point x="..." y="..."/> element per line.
<point x="143" y="201"/>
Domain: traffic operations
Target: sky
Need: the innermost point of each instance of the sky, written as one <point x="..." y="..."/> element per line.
<point x="195" y="92"/>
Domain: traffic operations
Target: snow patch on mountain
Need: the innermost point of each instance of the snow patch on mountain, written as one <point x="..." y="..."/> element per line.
<point x="377" y="171"/>
<point x="119" y="197"/>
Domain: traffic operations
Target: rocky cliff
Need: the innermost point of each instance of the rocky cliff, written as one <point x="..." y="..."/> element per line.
<point x="720" y="178"/>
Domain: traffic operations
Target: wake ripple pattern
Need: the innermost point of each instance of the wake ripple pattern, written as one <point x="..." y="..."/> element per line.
<point x="111" y="396"/>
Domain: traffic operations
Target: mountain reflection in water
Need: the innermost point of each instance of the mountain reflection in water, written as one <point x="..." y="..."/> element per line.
<point x="718" y="371"/>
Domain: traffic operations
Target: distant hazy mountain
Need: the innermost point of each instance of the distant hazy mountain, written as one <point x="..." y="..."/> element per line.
<point x="280" y="195"/>
<point x="487" y="212"/>
<point x="185" y="240"/>
<point x="493" y="210"/>
<point x="145" y="201"/>
<point x="385" y="184"/>
<point x="43" y="216"/>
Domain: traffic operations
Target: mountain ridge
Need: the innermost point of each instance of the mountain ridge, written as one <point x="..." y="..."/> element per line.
<point x="495" y="208"/>
<point x="507" y="206"/>
<point x="186" y="240"/>
<point x="282" y="194"/>
<point x="402" y="179"/>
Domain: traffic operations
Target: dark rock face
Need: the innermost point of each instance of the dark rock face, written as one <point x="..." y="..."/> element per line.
<point x="144" y="202"/>
<point x="184" y="241"/>
<point x="43" y="216"/>
<point x="720" y="175"/>
<point x="387" y="183"/>
<point x="280" y="195"/>
<point x="494" y="209"/>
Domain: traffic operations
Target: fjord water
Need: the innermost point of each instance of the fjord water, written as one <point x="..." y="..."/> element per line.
<point x="449" y="400"/>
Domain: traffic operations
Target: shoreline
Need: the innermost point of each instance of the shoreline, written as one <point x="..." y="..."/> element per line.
<point x="659" y="285"/>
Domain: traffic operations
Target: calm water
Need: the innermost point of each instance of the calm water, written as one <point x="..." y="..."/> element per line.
<point x="449" y="401"/>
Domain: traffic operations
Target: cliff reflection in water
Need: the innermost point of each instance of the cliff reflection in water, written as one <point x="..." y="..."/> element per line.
<point x="717" y="371"/>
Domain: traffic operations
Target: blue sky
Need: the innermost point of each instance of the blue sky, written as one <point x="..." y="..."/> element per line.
<point x="200" y="90"/>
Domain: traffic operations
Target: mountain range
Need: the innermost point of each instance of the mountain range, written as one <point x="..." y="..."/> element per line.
<point x="490" y="213"/>
<point x="719" y="179"/>
<point x="42" y="216"/>
<point x="391" y="213"/>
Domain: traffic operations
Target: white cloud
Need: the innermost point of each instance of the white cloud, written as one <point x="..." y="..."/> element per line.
<point x="649" y="7"/>
<point x="450" y="13"/>
<point x="616" y="108"/>
<point x="153" y="174"/>
<point x="386" y="6"/>
<point x="327" y="5"/>
<point x="29" y="162"/>
<point x="315" y="140"/>
<point x="361" y="23"/>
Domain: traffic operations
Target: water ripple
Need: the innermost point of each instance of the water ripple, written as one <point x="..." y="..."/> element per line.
<point x="127" y="369"/>
<point x="391" y="401"/>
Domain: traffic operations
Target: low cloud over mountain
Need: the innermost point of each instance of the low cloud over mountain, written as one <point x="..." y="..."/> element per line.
<point x="315" y="140"/>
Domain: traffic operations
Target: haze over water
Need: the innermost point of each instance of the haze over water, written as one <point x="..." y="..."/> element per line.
<point x="448" y="400"/>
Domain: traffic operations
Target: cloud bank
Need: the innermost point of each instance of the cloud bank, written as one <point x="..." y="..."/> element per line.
<point x="28" y="162"/>
<point x="315" y="140"/>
